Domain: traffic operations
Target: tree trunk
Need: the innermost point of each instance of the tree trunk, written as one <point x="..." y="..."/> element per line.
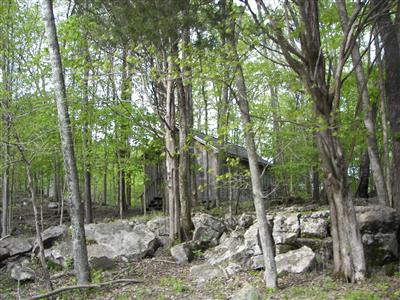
<point x="78" y="232"/>
<point x="384" y="122"/>
<point x="369" y="120"/>
<point x="267" y="246"/>
<point x="184" y="102"/>
<point x="362" y="189"/>
<point x="387" y="31"/>
<point x="171" y="161"/>
<point x="86" y="134"/>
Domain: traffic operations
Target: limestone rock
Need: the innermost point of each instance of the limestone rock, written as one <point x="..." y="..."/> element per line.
<point x="22" y="273"/>
<point x="232" y="268"/>
<point x="376" y="218"/>
<point x="207" y="228"/>
<point x="314" y="225"/>
<point x="248" y="292"/>
<point x="182" y="253"/>
<point x="380" y="248"/>
<point x="60" y="254"/>
<point x="159" y="225"/>
<point x="286" y="228"/>
<point x="295" y="261"/>
<point x="205" y="272"/>
<point x="16" y="246"/>
<point x="232" y="249"/>
<point x="246" y="220"/>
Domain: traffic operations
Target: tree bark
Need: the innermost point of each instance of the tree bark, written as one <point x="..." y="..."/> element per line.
<point x="362" y="189"/>
<point x="81" y="265"/>
<point x="185" y="140"/>
<point x="171" y="161"/>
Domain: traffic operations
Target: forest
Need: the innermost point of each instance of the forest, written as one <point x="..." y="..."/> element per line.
<point x="200" y="149"/>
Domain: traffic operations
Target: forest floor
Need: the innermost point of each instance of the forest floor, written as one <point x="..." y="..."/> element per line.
<point x="164" y="279"/>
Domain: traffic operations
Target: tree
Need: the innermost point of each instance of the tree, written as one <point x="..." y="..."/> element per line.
<point x="267" y="246"/>
<point x="81" y="265"/>
<point x="369" y="120"/>
<point x="387" y="30"/>
<point x="310" y="64"/>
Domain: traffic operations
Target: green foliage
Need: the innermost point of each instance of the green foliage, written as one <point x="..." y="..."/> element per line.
<point x="360" y="295"/>
<point x="172" y="282"/>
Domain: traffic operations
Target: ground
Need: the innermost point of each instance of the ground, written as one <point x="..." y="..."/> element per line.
<point x="164" y="279"/>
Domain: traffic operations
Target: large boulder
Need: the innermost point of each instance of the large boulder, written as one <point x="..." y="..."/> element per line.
<point x="207" y="228"/>
<point x="15" y="246"/>
<point x="22" y="273"/>
<point x="286" y="228"/>
<point x="230" y="249"/>
<point x="246" y="220"/>
<point x="314" y="225"/>
<point x="182" y="253"/>
<point x="248" y="292"/>
<point x="252" y="241"/>
<point x="51" y="235"/>
<point x="376" y="218"/>
<point x="379" y="230"/>
<point x="295" y="261"/>
<point x="205" y="272"/>
<point x="101" y="231"/>
<point x="159" y="225"/>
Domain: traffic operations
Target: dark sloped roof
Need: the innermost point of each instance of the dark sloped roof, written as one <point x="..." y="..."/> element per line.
<point x="229" y="148"/>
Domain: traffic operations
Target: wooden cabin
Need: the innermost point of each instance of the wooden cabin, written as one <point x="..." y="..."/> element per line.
<point x="208" y="188"/>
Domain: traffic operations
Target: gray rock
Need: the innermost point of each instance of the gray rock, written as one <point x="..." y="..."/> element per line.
<point x="314" y="225"/>
<point x="50" y="235"/>
<point x="248" y="292"/>
<point x="246" y="220"/>
<point x="380" y="248"/>
<point x="232" y="249"/>
<point x="22" y="273"/>
<point x="182" y="253"/>
<point x="4" y="253"/>
<point x="205" y="272"/>
<point x="159" y="225"/>
<point x="60" y="254"/>
<point x="102" y="231"/>
<point x="207" y="228"/>
<point x="101" y="263"/>
<point x="295" y="261"/>
<point x="377" y="218"/>
<point x="232" y="268"/>
<point x="257" y="262"/>
<point x="251" y="240"/>
<point x="16" y="246"/>
<point x="286" y="228"/>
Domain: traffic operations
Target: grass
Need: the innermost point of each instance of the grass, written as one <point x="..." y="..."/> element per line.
<point x="174" y="283"/>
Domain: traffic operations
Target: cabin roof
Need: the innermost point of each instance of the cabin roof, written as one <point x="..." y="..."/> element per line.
<point x="231" y="149"/>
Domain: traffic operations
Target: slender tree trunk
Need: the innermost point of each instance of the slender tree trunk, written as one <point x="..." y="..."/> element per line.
<point x="78" y="232"/>
<point x="267" y="246"/>
<point x="384" y="122"/>
<point x="362" y="189"/>
<point x="369" y="120"/>
<point x="184" y="103"/>
<point x="38" y="228"/>
<point x="6" y="119"/>
<point x="171" y="162"/>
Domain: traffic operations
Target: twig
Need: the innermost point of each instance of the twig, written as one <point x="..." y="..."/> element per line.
<point x="4" y="237"/>
<point x="83" y="286"/>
